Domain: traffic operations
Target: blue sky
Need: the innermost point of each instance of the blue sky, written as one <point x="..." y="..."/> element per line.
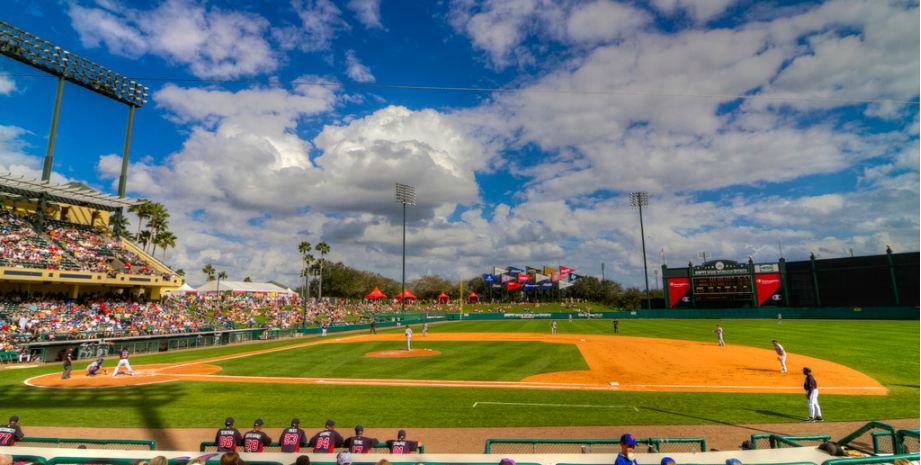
<point x="750" y="124"/>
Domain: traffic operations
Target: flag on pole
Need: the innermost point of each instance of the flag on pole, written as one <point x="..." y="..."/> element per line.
<point x="512" y="286"/>
<point x="573" y="276"/>
<point x="564" y="284"/>
<point x="497" y="271"/>
<point x="531" y="271"/>
<point x="540" y="278"/>
<point x="555" y="276"/>
<point x="548" y="270"/>
<point x="513" y="269"/>
<point x="523" y="277"/>
<point x="530" y="287"/>
<point x="566" y="269"/>
<point x="547" y="285"/>
<point x="506" y="277"/>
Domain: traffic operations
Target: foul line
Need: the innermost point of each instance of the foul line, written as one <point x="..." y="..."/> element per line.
<point x="710" y="386"/>
<point x="635" y="409"/>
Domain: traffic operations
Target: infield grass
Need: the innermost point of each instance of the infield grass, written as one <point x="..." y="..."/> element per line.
<point x="885" y="350"/>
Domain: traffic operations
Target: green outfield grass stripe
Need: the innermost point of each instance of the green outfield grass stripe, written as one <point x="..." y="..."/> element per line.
<point x="531" y="404"/>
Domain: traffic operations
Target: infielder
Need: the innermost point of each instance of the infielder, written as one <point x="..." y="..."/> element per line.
<point x="719" y="335"/>
<point x="425" y="329"/>
<point x="409" y="338"/>
<point x="11" y="432"/>
<point x="781" y="355"/>
<point x="123" y="362"/>
<point x="553" y="327"/>
<point x="812" y="397"/>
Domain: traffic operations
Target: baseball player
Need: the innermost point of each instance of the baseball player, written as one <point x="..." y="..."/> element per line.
<point x="123" y="362"/>
<point x="94" y="367"/>
<point x="553" y="327"/>
<point x="68" y="364"/>
<point x="570" y="317"/>
<point x="11" y="432"/>
<point x="719" y="335"/>
<point x="627" y="454"/>
<point x="255" y="440"/>
<point x="781" y="355"/>
<point x="400" y="445"/>
<point x="425" y="329"/>
<point x="228" y="438"/>
<point x="616" y="326"/>
<point x="409" y="338"/>
<point x="327" y="440"/>
<point x="373" y="326"/>
<point x="293" y="438"/>
<point x="359" y="444"/>
<point x="812" y="397"/>
<point x="779" y="318"/>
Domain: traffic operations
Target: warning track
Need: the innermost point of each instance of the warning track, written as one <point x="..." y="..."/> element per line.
<point x="615" y="363"/>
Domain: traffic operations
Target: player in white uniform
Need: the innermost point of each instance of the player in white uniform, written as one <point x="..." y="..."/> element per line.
<point x="781" y="355"/>
<point x="719" y="335"/>
<point x="123" y="362"/>
<point x="409" y="338"/>
<point x="553" y="327"/>
<point x="425" y="329"/>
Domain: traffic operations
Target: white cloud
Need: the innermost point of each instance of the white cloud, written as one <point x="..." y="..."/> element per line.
<point x="320" y="22"/>
<point x="368" y="12"/>
<point x="355" y="70"/>
<point x="700" y="11"/>
<point x="604" y="21"/>
<point x="7" y="84"/>
<point x="211" y="42"/>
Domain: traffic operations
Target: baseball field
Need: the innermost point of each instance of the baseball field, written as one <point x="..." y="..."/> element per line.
<point x="500" y="373"/>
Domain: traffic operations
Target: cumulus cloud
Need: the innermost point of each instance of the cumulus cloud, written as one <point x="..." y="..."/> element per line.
<point x="320" y="23"/>
<point x="368" y="12"/>
<point x="7" y="84"/>
<point x="355" y="70"/>
<point x="210" y="41"/>
<point x="699" y="11"/>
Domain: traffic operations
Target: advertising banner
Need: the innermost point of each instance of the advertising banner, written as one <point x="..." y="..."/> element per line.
<point x="679" y="290"/>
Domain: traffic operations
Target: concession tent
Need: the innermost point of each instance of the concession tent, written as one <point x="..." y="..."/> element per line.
<point x="376" y="294"/>
<point x="181" y="290"/>
<point x="442" y="298"/>
<point x="473" y="297"/>
<point x="406" y="294"/>
<point x="242" y="287"/>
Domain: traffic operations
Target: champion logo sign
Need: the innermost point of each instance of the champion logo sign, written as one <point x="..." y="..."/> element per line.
<point x="768" y="281"/>
<point x="674" y="284"/>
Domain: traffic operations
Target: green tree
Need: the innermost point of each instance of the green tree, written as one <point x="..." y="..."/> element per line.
<point x="306" y="258"/>
<point x="118" y="223"/>
<point x="323" y="249"/>
<point x="247" y="279"/>
<point x="159" y="219"/>
<point x="165" y="239"/>
<point x="428" y="287"/>
<point x="142" y="210"/>
<point x="145" y="237"/>
<point x="220" y="276"/>
<point x="209" y="271"/>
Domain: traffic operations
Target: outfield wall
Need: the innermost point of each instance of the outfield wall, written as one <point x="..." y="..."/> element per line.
<point x="792" y="313"/>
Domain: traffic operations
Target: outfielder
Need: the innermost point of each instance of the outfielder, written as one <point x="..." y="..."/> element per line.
<point x="781" y="355"/>
<point x="409" y="338"/>
<point x="719" y="335"/>
<point x="812" y="397"/>
<point x="425" y="329"/>
<point x="123" y="362"/>
<point x="553" y="327"/>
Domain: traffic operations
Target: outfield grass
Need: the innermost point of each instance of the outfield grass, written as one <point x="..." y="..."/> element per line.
<point x="469" y="361"/>
<point x="888" y="351"/>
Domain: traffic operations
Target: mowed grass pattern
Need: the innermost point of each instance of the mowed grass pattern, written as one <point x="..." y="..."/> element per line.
<point x="469" y="361"/>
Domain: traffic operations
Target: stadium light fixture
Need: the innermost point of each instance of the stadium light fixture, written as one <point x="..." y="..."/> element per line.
<point x="406" y="195"/>
<point x="640" y="200"/>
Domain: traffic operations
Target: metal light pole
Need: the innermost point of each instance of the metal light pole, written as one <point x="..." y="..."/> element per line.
<point x="406" y="195"/>
<point x="640" y="200"/>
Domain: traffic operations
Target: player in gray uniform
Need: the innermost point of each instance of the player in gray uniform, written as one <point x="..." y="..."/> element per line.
<point x="781" y="355"/>
<point x="409" y="338"/>
<point x="68" y="364"/>
<point x="11" y="432"/>
<point x="719" y="335"/>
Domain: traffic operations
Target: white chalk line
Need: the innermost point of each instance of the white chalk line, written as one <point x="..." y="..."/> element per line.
<point x="635" y="409"/>
<point x="714" y="386"/>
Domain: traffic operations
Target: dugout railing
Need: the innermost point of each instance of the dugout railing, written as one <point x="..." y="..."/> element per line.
<point x="73" y="443"/>
<point x="379" y="448"/>
<point x="777" y="441"/>
<point x="589" y="446"/>
<point x="871" y="437"/>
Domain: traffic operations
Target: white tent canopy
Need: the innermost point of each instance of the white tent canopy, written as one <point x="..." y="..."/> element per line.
<point x="184" y="289"/>
<point x="243" y="287"/>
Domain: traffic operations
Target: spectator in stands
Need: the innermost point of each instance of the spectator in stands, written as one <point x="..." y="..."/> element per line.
<point x="733" y="462"/>
<point x="230" y="458"/>
<point x="667" y="461"/>
<point x="344" y="458"/>
<point x="302" y="460"/>
<point x="158" y="460"/>
<point x="627" y="455"/>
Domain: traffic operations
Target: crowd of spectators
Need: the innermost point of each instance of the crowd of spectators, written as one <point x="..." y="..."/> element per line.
<point x="21" y="246"/>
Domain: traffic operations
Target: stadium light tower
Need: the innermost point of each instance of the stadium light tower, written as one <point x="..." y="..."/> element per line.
<point x="406" y="195"/>
<point x="640" y="200"/>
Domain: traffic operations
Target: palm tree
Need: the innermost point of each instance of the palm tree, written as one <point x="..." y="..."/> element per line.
<point x="209" y="271"/>
<point x="159" y="219"/>
<point x="247" y="279"/>
<point x="304" y="249"/>
<point x="142" y="210"/>
<point x="180" y="272"/>
<point x="323" y="248"/>
<point x="220" y="276"/>
<point x="166" y="239"/>
<point x="119" y="225"/>
<point x="144" y="238"/>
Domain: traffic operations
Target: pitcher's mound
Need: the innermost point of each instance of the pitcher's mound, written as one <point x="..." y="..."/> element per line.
<point x="403" y="353"/>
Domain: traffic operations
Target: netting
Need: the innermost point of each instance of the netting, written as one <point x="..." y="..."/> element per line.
<point x="910" y="444"/>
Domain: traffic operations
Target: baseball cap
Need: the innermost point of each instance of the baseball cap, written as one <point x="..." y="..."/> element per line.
<point x="344" y="458"/>
<point x="302" y="460"/>
<point x="14" y="419"/>
<point x="733" y="462"/>
<point x="807" y="370"/>
<point x="330" y="423"/>
<point x="507" y="461"/>
<point x="359" y="429"/>
<point x="667" y="461"/>
<point x="258" y="422"/>
<point x="228" y="421"/>
<point x="401" y="434"/>
<point x="628" y="439"/>
<point x="295" y="422"/>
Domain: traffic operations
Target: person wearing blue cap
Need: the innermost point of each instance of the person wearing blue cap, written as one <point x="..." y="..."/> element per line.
<point x="627" y="455"/>
<point x="667" y="461"/>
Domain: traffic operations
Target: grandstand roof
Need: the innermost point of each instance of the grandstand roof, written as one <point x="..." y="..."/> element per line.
<point x="68" y="193"/>
<point x="244" y="287"/>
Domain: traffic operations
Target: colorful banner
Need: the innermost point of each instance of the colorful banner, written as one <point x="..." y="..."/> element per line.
<point x="679" y="290"/>
<point x="541" y="278"/>
<point x="506" y="277"/>
<point x="530" y="287"/>
<point x="523" y="277"/>
<point x="769" y="288"/>
<point x="564" y="284"/>
<point x="488" y="278"/>
<point x="566" y="269"/>
<point x="512" y="286"/>
<point x="548" y="270"/>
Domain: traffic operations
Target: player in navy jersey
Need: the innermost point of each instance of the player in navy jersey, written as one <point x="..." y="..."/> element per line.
<point x="256" y="439"/>
<point x="359" y="444"/>
<point x="11" y="432"/>
<point x="293" y="438"/>
<point x="228" y="438"/>
<point x="327" y="440"/>
<point x="123" y="362"/>
<point x="400" y="445"/>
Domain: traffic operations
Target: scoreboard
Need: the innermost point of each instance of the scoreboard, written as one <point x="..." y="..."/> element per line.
<point x="724" y="283"/>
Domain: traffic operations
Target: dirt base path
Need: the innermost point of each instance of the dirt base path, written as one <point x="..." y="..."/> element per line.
<point x="471" y="440"/>
<point x="615" y="363"/>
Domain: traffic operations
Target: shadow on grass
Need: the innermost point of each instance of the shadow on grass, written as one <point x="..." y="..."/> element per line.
<point x="771" y="413"/>
<point x="707" y="420"/>
<point x="146" y="400"/>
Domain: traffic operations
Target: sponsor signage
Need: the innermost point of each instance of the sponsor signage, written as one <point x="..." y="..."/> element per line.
<point x="720" y="268"/>
<point x="767" y="268"/>
<point x="526" y="316"/>
<point x="769" y="288"/>
<point x="679" y="290"/>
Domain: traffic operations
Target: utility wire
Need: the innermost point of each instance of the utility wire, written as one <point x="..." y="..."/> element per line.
<point x="506" y="90"/>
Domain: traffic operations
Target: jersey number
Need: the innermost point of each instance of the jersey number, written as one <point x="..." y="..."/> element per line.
<point x="397" y="450"/>
<point x="357" y="449"/>
<point x="290" y="440"/>
<point x="5" y="438"/>
<point x="323" y="443"/>
<point x="252" y="445"/>
<point x="226" y="442"/>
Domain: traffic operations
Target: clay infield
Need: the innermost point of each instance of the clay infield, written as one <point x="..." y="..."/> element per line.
<point x="615" y="363"/>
